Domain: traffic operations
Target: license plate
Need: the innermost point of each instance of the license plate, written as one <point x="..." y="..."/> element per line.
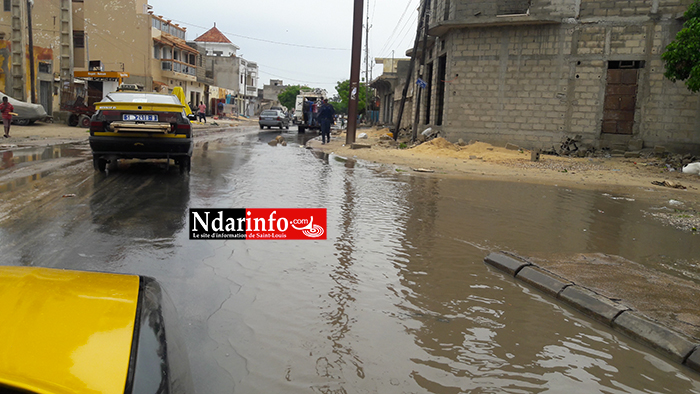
<point x="139" y="118"/>
<point x="269" y="118"/>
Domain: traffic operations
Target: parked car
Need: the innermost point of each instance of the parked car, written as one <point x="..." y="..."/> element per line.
<point x="77" y="331"/>
<point x="273" y="117"/>
<point x="27" y="113"/>
<point x="141" y="125"/>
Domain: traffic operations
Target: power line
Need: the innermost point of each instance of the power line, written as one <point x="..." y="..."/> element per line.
<point x="405" y="34"/>
<point x="264" y="40"/>
<point x="296" y="80"/>
<point x="408" y="5"/>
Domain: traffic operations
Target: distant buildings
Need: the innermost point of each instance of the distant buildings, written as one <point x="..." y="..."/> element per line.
<point x="85" y="48"/>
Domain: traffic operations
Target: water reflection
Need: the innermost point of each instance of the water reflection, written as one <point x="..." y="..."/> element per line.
<point x="345" y="285"/>
<point x="142" y="202"/>
<point x="13" y="157"/>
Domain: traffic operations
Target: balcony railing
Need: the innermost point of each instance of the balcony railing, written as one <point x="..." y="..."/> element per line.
<point x="178" y="67"/>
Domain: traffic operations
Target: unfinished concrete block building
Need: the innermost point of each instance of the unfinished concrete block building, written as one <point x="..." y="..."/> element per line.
<point x="531" y="72"/>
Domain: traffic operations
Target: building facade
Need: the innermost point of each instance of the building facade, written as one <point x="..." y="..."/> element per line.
<point x="533" y="72"/>
<point x="389" y="90"/>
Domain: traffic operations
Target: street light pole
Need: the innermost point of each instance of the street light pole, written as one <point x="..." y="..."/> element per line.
<point x="355" y="72"/>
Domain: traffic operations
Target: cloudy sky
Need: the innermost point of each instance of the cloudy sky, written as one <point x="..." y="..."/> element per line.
<point x="300" y="42"/>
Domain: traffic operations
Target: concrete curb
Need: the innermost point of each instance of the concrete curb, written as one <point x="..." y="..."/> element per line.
<point x="676" y="346"/>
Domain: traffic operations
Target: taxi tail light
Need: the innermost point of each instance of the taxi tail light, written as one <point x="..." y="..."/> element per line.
<point x="97" y="125"/>
<point x="181" y="128"/>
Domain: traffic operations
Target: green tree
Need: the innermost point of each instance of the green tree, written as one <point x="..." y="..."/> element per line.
<point x="288" y="97"/>
<point x="343" y="89"/>
<point x="338" y="105"/>
<point x="682" y="56"/>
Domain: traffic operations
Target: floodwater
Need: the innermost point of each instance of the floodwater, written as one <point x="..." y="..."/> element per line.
<point x="396" y="300"/>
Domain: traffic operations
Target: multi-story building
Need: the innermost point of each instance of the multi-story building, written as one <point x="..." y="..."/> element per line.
<point x="174" y="63"/>
<point x="100" y="42"/>
<point x="87" y="47"/>
<point x="234" y="78"/>
<point x="389" y="90"/>
<point x="531" y="72"/>
<point x="248" y="74"/>
<point x="218" y="66"/>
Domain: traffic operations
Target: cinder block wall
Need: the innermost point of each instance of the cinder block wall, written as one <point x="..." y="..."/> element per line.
<point x="532" y="84"/>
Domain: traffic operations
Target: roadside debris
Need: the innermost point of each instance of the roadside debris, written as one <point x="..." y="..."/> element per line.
<point x="278" y="140"/>
<point x="692" y="168"/>
<point x="68" y="195"/>
<point x="422" y="170"/>
<point x="670" y="184"/>
<point x="362" y="136"/>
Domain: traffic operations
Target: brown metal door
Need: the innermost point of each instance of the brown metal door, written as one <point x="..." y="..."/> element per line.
<point x="620" y="101"/>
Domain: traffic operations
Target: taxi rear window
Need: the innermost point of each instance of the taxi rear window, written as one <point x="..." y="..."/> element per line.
<point x="142" y="98"/>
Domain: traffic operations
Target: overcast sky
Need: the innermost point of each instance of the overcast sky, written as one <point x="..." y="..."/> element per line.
<point x="300" y="42"/>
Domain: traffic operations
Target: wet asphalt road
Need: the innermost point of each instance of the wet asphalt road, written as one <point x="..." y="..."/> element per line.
<point x="396" y="300"/>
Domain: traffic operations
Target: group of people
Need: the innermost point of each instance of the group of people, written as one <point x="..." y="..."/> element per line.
<point x="323" y="113"/>
<point x="200" y="110"/>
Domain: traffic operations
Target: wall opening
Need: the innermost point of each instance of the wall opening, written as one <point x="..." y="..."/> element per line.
<point x="440" y="91"/>
<point x="513" y="7"/>
<point x="428" y="92"/>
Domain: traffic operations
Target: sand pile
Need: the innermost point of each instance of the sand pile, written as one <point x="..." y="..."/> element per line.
<point x="436" y="145"/>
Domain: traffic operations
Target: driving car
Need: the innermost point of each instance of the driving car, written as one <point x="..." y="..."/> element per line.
<point x="273" y="117"/>
<point x="140" y="125"/>
<point x="27" y="113"/>
<point x="90" y="332"/>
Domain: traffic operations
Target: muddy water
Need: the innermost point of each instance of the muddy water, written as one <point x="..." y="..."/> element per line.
<point x="398" y="298"/>
<point x="19" y="155"/>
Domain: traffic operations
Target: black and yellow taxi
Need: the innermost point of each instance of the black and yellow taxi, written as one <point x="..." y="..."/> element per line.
<point x="133" y="124"/>
<point x="88" y="332"/>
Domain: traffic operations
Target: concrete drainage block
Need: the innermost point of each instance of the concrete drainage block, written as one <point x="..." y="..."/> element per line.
<point x="676" y="346"/>
<point x="638" y="327"/>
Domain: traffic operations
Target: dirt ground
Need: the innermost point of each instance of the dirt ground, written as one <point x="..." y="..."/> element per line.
<point x="662" y="297"/>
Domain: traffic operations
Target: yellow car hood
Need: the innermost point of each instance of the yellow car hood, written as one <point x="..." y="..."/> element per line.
<point x="66" y="331"/>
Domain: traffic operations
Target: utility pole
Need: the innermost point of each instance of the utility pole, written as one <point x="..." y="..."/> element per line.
<point x="409" y="74"/>
<point x="416" y="118"/>
<point x="367" y="63"/>
<point x="32" y="76"/>
<point x="355" y="71"/>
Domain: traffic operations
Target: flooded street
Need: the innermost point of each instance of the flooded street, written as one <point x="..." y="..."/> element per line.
<point x="396" y="300"/>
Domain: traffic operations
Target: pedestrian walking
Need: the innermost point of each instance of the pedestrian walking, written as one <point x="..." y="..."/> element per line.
<point x="326" y="116"/>
<point x="6" y="109"/>
<point x="202" y="112"/>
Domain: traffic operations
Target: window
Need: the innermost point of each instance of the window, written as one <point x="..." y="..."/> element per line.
<point x="45" y="67"/>
<point x="6" y="4"/>
<point x="78" y="39"/>
<point x="156" y="52"/>
<point x="513" y="7"/>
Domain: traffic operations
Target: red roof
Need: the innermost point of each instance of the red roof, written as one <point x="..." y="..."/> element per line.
<point x="213" y="35"/>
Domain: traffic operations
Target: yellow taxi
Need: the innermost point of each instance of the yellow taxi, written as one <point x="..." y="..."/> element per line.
<point x="88" y="332"/>
<point x="132" y="124"/>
